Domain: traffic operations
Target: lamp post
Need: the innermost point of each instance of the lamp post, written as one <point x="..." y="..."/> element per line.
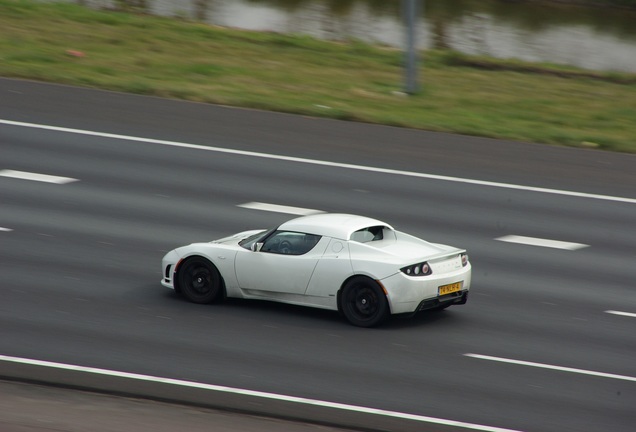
<point x="410" y="10"/>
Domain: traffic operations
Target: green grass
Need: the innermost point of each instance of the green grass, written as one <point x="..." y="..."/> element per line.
<point x="350" y="80"/>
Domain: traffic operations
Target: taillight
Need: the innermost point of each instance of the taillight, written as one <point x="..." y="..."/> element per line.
<point x="419" y="269"/>
<point x="464" y="259"/>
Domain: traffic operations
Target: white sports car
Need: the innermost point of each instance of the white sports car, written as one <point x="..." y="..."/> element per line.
<point x="356" y="265"/>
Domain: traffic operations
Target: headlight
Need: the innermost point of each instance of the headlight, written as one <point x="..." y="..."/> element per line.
<point x="419" y="269"/>
<point x="464" y="259"/>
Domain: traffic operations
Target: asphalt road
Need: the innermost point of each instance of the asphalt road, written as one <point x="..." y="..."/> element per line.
<point x="79" y="261"/>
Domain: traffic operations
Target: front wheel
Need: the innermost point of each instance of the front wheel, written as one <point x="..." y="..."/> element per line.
<point x="199" y="280"/>
<point x="363" y="302"/>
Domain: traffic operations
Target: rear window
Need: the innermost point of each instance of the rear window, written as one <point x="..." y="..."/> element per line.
<point x="369" y="234"/>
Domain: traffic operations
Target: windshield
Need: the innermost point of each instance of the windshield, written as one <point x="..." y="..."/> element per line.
<point x="249" y="241"/>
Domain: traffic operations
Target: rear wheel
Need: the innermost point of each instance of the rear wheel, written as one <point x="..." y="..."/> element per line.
<point x="199" y="280"/>
<point x="363" y="302"/>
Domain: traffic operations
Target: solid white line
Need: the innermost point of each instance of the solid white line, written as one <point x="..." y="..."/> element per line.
<point x="36" y="177"/>
<point x="627" y="314"/>
<point x="533" y="241"/>
<point x="553" y="367"/>
<point x="279" y="208"/>
<point x="254" y="393"/>
<point x="323" y="163"/>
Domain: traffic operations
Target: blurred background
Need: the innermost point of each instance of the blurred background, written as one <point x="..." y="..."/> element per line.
<point x="564" y="32"/>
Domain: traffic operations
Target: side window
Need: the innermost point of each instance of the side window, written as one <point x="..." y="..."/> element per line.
<point x="290" y="243"/>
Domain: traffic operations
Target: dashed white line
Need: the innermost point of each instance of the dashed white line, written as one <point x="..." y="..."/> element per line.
<point x="553" y="367"/>
<point x="533" y="241"/>
<point x="321" y="162"/>
<point x="258" y="394"/>
<point x="279" y="208"/>
<point x="36" y="177"/>
<point x="627" y="314"/>
<point x="5" y="229"/>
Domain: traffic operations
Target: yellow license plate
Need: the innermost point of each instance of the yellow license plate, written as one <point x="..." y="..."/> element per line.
<point x="450" y="288"/>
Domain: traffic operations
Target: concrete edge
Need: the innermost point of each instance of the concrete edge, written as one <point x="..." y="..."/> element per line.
<point x="206" y="398"/>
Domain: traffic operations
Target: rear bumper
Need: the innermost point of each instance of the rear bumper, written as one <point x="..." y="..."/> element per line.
<point x="457" y="298"/>
<point x="408" y="294"/>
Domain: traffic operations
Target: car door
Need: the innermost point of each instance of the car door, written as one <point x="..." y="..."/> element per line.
<point x="283" y="264"/>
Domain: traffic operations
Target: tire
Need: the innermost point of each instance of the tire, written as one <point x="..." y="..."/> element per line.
<point x="363" y="302"/>
<point x="199" y="281"/>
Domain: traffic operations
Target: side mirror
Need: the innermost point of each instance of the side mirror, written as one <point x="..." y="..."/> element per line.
<point x="256" y="247"/>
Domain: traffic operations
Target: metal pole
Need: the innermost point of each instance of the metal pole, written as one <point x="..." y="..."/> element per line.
<point x="410" y="8"/>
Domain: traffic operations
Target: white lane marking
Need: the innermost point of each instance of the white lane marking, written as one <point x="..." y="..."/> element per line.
<point x="627" y="314"/>
<point x="553" y="367"/>
<point x="36" y="177"/>
<point x="5" y="229"/>
<point x="533" y="241"/>
<point x="254" y="393"/>
<point x="279" y="208"/>
<point x="323" y="163"/>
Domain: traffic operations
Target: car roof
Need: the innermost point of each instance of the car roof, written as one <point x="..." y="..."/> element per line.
<point x="337" y="225"/>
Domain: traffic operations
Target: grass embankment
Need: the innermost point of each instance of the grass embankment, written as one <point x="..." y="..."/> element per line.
<point x="66" y="43"/>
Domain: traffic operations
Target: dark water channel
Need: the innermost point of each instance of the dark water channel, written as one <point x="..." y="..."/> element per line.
<point x="592" y="38"/>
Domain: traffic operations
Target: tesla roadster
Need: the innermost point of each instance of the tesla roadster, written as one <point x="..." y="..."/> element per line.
<point x="356" y="265"/>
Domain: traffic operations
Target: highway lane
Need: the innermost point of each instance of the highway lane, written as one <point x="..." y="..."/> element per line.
<point x="445" y="154"/>
<point x="80" y="274"/>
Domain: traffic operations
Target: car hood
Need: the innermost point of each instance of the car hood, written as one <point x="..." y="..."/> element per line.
<point x="235" y="238"/>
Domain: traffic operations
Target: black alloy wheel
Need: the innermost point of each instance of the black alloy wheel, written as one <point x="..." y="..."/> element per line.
<point x="199" y="280"/>
<point x="363" y="302"/>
